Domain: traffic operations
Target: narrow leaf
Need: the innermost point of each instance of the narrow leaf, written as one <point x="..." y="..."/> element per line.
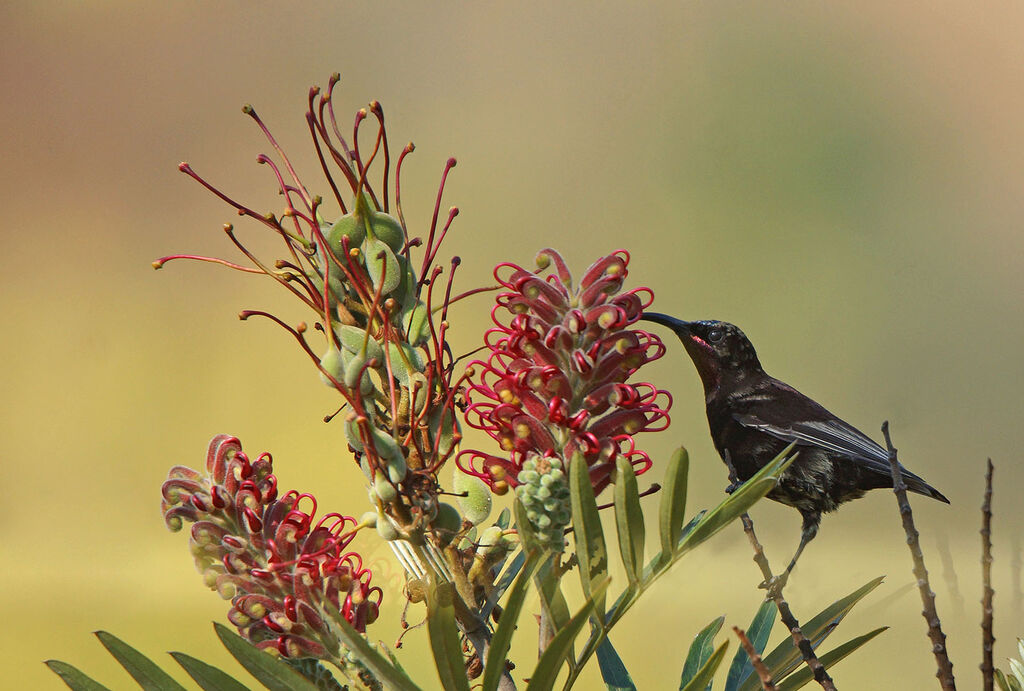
<point x="700" y="651"/>
<point x="629" y="520"/>
<point x="702" y="680"/>
<point x="673" y="502"/>
<point x="73" y="677"/>
<point x="502" y="639"/>
<point x="613" y="671"/>
<point x="270" y="671"/>
<point x="502" y="584"/>
<point x="758" y="631"/>
<point x="207" y="676"/>
<point x="804" y="675"/>
<point x="737" y="503"/>
<point x="544" y="674"/>
<point x="785" y="657"/>
<point x="392" y="677"/>
<point x="143" y="670"/>
<point x="444" y="638"/>
<point x="586" y="524"/>
<point x="550" y="590"/>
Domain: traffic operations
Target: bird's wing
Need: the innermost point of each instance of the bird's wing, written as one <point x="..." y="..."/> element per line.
<point x="833" y="435"/>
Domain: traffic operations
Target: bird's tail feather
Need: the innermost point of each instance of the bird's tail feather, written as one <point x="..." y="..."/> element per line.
<point x="919" y="486"/>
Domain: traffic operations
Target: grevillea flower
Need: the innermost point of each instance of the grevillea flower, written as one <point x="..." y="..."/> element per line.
<point x="266" y="554"/>
<point x="381" y="309"/>
<point x="556" y="381"/>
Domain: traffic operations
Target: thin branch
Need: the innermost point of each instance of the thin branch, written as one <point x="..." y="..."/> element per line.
<point x="930" y="614"/>
<point x="775" y="593"/>
<point x="755" y="659"/>
<point x="986" y="573"/>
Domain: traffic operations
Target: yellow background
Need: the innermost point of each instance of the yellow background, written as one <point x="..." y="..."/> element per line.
<point x="843" y="180"/>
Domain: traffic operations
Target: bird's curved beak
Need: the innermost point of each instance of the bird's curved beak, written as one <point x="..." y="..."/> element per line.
<point x="681" y="328"/>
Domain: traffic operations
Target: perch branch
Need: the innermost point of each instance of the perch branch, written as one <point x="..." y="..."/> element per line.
<point x="986" y="573"/>
<point x="759" y="667"/>
<point x="930" y="614"/>
<point x="775" y="592"/>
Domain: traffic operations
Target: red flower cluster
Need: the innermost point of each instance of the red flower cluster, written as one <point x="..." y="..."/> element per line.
<point x="265" y="553"/>
<point x="555" y="381"/>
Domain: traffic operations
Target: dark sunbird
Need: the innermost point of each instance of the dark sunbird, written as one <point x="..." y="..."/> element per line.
<point x="753" y="417"/>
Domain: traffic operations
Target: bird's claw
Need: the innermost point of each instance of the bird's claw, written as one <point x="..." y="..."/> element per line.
<point x="774" y="585"/>
<point x="733" y="486"/>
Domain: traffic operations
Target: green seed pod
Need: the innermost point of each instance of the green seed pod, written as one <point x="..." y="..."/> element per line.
<point x="369" y="519"/>
<point x="382" y="265"/>
<point x="353" y="436"/>
<point x="397" y="468"/>
<point x="331" y="362"/>
<point x="387" y="228"/>
<point x="352" y="339"/>
<point x="354" y="370"/>
<point x="476" y="505"/>
<point x="416" y="324"/>
<point x="447" y="522"/>
<point x="386" y="529"/>
<point x="348" y="226"/>
<point x="384" y="489"/>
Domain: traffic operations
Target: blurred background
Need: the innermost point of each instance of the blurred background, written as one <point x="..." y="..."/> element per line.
<point x="842" y="180"/>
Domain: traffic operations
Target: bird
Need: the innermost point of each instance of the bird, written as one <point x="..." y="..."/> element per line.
<point x="753" y="417"/>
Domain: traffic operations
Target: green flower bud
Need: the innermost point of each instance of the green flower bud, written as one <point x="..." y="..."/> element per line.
<point x="476" y="505"/>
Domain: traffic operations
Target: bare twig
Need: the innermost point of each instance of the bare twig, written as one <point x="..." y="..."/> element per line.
<point x="930" y="614"/>
<point x="986" y="574"/>
<point x="775" y="593"/>
<point x="755" y="659"/>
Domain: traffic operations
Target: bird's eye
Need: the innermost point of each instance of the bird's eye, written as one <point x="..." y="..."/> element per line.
<point x="716" y="335"/>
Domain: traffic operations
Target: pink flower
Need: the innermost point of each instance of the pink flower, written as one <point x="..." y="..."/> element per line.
<point x="555" y="383"/>
<point x="267" y="555"/>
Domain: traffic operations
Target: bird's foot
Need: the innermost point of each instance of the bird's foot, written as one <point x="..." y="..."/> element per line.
<point x="733" y="486"/>
<point x="774" y="585"/>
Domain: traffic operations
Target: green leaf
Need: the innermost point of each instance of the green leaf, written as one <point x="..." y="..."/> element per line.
<point x="207" y="676"/>
<point x="737" y="503"/>
<point x="673" y="503"/>
<point x="702" y="679"/>
<point x="502" y="584"/>
<point x="786" y="656"/>
<point x="700" y="651"/>
<point x="550" y="590"/>
<point x="502" y="639"/>
<point x="145" y="672"/>
<point x="73" y="677"/>
<point x="613" y="671"/>
<point x="386" y="672"/>
<point x="544" y="674"/>
<point x="804" y="675"/>
<point x="758" y="631"/>
<point x="270" y="671"/>
<point x="629" y="520"/>
<point x="586" y="524"/>
<point x="1006" y="683"/>
<point x="444" y="638"/>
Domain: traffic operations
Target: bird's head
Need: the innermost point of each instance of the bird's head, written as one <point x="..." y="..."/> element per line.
<point x="719" y="350"/>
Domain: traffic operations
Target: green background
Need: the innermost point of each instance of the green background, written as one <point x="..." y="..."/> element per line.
<point x="843" y="180"/>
